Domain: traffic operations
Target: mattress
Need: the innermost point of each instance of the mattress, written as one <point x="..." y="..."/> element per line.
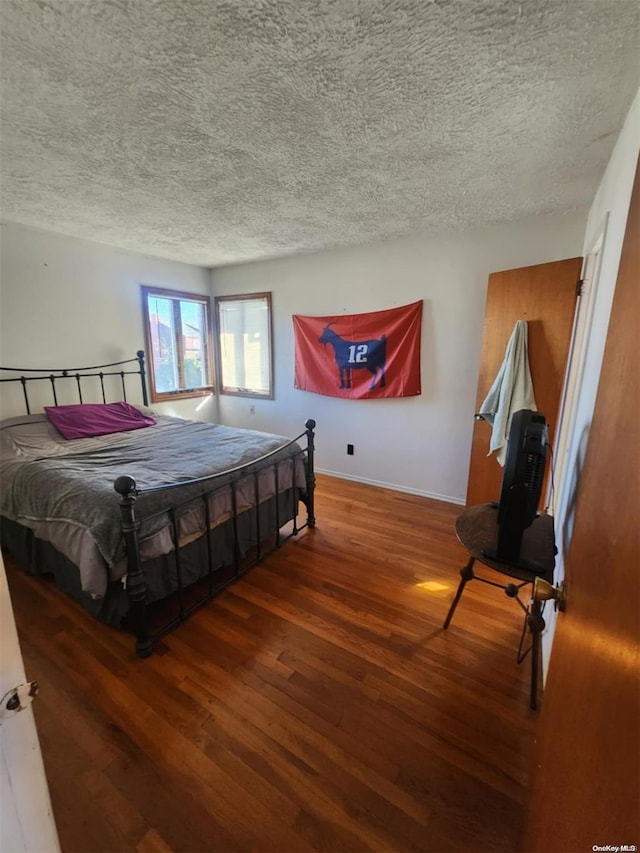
<point x="63" y="490"/>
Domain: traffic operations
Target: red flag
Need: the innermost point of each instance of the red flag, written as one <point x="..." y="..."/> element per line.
<point x="360" y="356"/>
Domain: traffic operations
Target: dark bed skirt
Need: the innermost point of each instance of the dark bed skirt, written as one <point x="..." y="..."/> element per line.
<point x="37" y="557"/>
<point x="204" y="567"/>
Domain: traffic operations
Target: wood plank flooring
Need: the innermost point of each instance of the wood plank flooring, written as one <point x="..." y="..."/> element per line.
<point x="316" y="704"/>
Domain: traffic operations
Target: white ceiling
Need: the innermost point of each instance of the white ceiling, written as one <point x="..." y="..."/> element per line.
<point x="215" y="132"/>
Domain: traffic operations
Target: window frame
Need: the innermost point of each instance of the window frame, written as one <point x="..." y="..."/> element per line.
<point x="231" y="390"/>
<point x="177" y="295"/>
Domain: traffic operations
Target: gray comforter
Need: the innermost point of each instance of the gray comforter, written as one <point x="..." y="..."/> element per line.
<point x="63" y="490"/>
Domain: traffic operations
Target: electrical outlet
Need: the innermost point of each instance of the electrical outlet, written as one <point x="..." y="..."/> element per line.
<point x="349" y="449"/>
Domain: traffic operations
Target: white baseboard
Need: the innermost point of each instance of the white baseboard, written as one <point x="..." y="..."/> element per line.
<point x="393" y="486"/>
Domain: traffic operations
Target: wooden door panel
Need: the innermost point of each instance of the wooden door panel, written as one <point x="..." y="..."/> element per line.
<point x="545" y="296"/>
<point x="585" y="789"/>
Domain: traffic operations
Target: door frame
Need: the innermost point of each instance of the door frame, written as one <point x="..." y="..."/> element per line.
<point x="569" y="400"/>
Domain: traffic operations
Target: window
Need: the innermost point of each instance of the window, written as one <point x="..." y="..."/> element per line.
<point x="178" y="329"/>
<point x="244" y="345"/>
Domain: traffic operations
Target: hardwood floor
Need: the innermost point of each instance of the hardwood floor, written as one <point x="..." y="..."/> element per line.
<point x="316" y="704"/>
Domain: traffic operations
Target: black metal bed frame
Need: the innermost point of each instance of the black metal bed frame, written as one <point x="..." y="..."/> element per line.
<point x="267" y="540"/>
<point x="79" y="373"/>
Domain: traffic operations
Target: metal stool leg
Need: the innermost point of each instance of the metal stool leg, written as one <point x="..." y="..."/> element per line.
<point x="466" y="574"/>
<point x="536" y="626"/>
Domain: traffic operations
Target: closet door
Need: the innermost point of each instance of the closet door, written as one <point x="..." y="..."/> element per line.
<point x="545" y="296"/>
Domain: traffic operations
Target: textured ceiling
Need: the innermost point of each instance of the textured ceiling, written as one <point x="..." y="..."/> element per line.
<point x="215" y="132"/>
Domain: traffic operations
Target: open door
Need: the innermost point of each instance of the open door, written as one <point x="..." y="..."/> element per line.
<point x="585" y="790"/>
<point x="26" y="819"/>
<point x="545" y="296"/>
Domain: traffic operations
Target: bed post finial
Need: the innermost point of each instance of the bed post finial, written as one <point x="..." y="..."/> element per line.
<point x="126" y="487"/>
<point x="311" y="478"/>
<point x="140" y="357"/>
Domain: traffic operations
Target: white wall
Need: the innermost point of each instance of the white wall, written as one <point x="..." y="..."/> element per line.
<point x="613" y="197"/>
<point x="420" y="444"/>
<point x="71" y="301"/>
<point x="67" y="302"/>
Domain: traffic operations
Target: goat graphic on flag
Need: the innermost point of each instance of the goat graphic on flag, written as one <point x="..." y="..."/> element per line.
<point x="360" y="356"/>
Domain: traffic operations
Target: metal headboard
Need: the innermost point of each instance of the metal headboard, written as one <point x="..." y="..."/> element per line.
<point x="78" y="374"/>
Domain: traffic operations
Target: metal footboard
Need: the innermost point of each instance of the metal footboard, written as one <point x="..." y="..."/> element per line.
<point x="265" y="526"/>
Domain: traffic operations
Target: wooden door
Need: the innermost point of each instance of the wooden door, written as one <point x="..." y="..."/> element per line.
<point x="26" y="819"/>
<point x="545" y="296"/>
<point x="585" y="788"/>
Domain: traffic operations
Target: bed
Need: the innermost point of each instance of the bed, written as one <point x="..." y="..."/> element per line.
<point x="141" y="517"/>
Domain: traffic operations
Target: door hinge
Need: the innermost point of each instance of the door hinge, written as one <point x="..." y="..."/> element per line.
<point x="579" y="287"/>
<point x="18" y="698"/>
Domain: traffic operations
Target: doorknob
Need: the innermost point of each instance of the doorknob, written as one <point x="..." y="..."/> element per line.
<point x="544" y="591"/>
<point x="18" y="698"/>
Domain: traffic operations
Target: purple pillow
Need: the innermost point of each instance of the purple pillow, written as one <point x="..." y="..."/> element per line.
<point x="88" y="419"/>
